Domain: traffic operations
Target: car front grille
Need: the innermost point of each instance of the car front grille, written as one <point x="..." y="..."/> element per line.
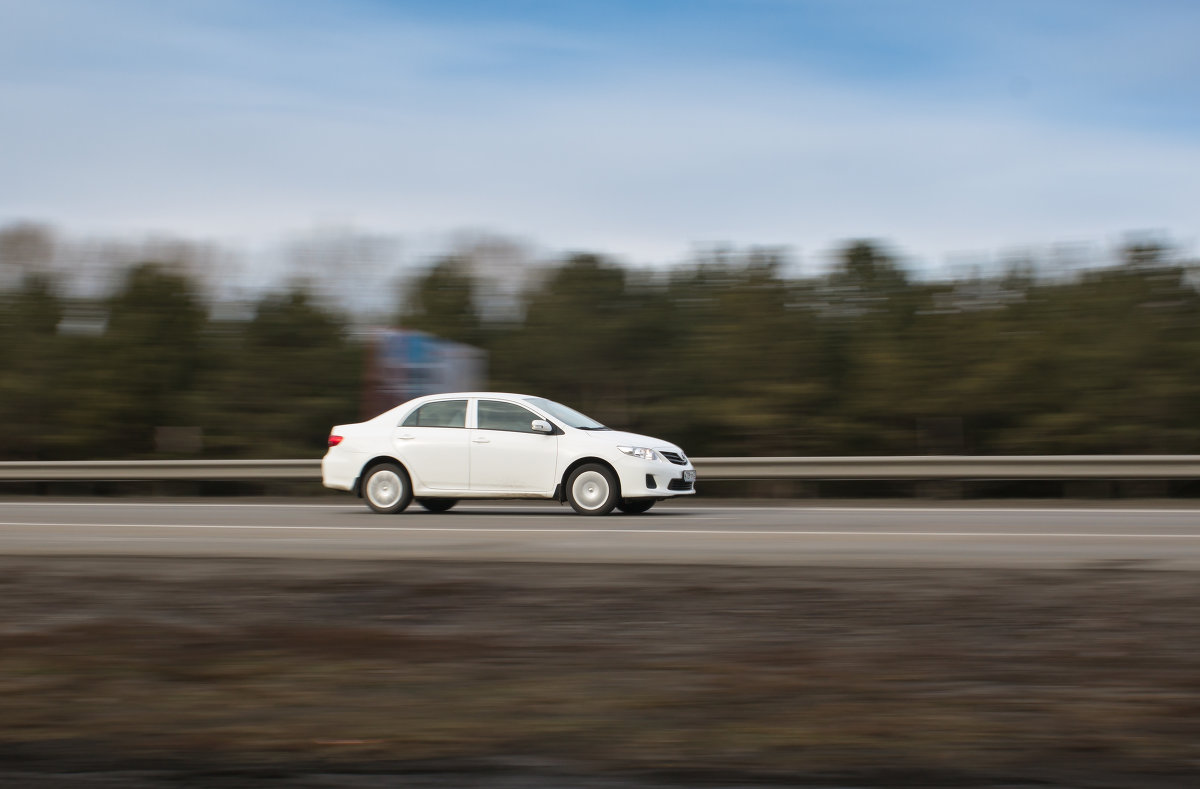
<point x="680" y="484"/>
<point x="674" y="457"/>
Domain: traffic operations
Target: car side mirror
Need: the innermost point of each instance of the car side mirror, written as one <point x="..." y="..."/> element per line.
<point x="541" y="426"/>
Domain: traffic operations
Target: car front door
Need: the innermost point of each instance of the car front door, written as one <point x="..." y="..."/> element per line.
<point x="507" y="456"/>
<point x="432" y="442"/>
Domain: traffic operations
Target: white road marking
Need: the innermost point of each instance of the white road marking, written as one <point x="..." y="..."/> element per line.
<point x="956" y="510"/>
<point x="799" y="509"/>
<point x="170" y="504"/>
<point x="717" y="532"/>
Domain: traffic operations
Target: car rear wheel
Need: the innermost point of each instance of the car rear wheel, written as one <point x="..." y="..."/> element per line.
<point x="386" y="488"/>
<point x="592" y="490"/>
<point x="437" y="505"/>
<point x="635" y="506"/>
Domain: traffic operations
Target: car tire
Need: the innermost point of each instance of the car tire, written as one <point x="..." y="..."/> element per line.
<point x="635" y="506"/>
<point x="437" y="505"/>
<point x="386" y="488"/>
<point x="592" y="489"/>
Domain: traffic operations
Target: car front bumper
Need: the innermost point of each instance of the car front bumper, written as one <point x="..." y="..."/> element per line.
<point x="656" y="479"/>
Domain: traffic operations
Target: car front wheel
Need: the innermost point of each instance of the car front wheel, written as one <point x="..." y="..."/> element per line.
<point x="592" y="490"/>
<point x="386" y="488"/>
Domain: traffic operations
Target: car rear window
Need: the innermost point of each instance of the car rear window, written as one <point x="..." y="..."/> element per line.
<point x="443" y="413"/>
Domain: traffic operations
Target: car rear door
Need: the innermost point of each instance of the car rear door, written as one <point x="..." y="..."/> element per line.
<point x="432" y="443"/>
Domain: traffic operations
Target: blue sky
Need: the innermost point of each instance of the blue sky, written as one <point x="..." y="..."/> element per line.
<point x="640" y="129"/>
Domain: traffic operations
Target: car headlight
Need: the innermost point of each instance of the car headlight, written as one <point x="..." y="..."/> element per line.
<point x="645" y="453"/>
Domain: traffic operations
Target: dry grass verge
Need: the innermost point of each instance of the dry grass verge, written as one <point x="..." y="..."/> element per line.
<point x="340" y="673"/>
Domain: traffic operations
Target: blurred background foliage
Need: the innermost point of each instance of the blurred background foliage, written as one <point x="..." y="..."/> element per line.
<point x="730" y="354"/>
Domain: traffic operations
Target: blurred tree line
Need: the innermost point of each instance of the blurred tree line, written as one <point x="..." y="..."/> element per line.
<point x="728" y="355"/>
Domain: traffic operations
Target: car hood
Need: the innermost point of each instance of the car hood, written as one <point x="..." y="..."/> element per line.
<point x="621" y="438"/>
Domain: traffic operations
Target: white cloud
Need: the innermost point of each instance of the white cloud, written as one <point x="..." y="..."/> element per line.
<point x="402" y="131"/>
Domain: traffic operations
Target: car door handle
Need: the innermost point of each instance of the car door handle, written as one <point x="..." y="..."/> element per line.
<point x="405" y="436"/>
<point x="482" y="440"/>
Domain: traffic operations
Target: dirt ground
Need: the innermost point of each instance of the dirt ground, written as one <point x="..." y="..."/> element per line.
<point x="179" y="673"/>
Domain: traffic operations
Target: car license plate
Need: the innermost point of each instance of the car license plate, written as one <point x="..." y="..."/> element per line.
<point x="689" y="476"/>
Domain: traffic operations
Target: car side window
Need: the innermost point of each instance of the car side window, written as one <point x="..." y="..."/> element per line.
<point x="443" y="413"/>
<point x="499" y="415"/>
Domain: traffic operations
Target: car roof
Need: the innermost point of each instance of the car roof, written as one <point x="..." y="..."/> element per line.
<point x="459" y="395"/>
<point x="432" y="398"/>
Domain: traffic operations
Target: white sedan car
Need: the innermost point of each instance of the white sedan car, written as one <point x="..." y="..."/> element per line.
<point x="491" y="445"/>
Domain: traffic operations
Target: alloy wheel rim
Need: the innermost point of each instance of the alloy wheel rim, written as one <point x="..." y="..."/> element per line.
<point x="590" y="490"/>
<point x="384" y="488"/>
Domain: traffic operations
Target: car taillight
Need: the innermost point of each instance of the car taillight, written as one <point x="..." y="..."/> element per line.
<point x="335" y="440"/>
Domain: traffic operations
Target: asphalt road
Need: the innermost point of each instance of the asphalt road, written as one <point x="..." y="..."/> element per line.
<point x="687" y="532"/>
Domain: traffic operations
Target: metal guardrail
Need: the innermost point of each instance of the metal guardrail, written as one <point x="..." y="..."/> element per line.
<point x="105" y="470"/>
<point x="950" y="467"/>
<point x="1044" y="467"/>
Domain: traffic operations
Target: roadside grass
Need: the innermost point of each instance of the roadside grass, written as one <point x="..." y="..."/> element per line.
<point x="672" y="670"/>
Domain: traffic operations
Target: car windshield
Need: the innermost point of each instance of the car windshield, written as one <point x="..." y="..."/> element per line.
<point x="568" y="415"/>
